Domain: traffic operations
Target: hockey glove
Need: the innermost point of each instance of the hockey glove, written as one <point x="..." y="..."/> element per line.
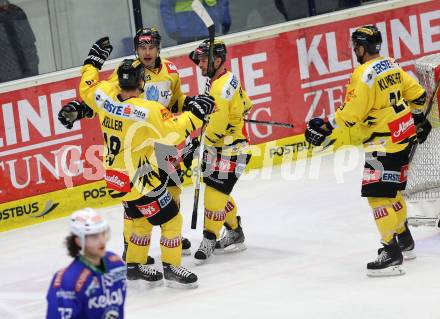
<point x="99" y="52"/>
<point x="202" y="106"/>
<point x="317" y="130"/>
<point x="73" y="111"/>
<point x="423" y="127"/>
<point x="188" y="154"/>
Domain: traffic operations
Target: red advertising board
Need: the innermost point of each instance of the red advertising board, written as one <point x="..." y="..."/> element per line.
<point x="291" y="77"/>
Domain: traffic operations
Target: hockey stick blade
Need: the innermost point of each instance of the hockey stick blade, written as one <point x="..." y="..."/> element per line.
<point x="200" y="10"/>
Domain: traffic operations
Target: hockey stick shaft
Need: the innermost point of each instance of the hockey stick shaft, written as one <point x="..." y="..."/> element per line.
<point x="428" y="110"/>
<point x="207" y="20"/>
<point x="269" y="123"/>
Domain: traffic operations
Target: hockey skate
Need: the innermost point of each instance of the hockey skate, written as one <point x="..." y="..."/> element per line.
<point x="186" y="245"/>
<point x="388" y="262"/>
<point x="206" y="248"/>
<point x="179" y="277"/>
<point x="138" y="275"/>
<point x="231" y="240"/>
<point x="406" y="244"/>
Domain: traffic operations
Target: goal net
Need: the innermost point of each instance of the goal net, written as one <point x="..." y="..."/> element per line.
<point x="423" y="187"/>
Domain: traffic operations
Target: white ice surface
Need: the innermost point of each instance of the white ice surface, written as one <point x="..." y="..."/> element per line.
<point x="309" y="239"/>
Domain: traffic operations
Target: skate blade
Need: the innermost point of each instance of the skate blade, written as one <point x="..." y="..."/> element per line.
<point x="178" y="285"/>
<point x="140" y="284"/>
<point x="409" y="255"/>
<point x="186" y="252"/>
<point x="234" y="248"/>
<point x="396" y="270"/>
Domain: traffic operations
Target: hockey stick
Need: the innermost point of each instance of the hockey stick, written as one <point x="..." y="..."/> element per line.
<point x="428" y="110"/>
<point x="207" y="20"/>
<point x="269" y="123"/>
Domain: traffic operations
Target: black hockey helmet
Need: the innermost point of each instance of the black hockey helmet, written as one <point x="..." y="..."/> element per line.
<point x="369" y="37"/>
<point x="203" y="49"/>
<point x="147" y="36"/>
<point x="131" y="77"/>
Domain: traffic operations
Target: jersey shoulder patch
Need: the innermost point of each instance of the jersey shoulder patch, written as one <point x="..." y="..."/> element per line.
<point x="228" y="85"/>
<point x="171" y="67"/>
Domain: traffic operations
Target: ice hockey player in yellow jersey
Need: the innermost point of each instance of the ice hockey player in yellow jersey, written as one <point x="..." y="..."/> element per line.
<point x="386" y="104"/>
<point x="226" y="156"/>
<point x="131" y="126"/>
<point x="162" y="84"/>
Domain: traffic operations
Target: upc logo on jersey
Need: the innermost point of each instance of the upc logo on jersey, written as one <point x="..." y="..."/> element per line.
<point x="117" y="180"/>
<point x="402" y="128"/>
<point x="150" y="209"/>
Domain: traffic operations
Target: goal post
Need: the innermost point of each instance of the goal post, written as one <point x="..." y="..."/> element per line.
<point x="423" y="187"/>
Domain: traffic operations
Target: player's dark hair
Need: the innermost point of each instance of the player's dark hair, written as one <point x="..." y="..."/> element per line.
<point x="72" y="248"/>
<point x="130" y="77"/>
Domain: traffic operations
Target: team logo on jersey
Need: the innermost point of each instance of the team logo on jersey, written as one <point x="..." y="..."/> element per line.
<point x="402" y="128"/>
<point x="150" y="209"/>
<point x="166" y="114"/>
<point x="152" y="93"/>
<point x="171" y="67"/>
<point x="117" y="180"/>
<point x="350" y="96"/>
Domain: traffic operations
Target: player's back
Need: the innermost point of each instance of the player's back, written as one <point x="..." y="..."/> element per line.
<point x="233" y="102"/>
<point x="386" y="89"/>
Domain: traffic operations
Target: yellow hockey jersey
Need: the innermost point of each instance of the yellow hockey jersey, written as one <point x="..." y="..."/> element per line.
<point x="226" y="124"/>
<point x="162" y="85"/>
<point x="379" y="100"/>
<point x="131" y="128"/>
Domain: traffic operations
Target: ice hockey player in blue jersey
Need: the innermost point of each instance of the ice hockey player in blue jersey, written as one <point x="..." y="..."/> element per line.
<point x="94" y="284"/>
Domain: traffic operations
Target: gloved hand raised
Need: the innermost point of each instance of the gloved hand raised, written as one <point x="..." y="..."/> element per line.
<point x="202" y="106"/>
<point x="99" y="52"/>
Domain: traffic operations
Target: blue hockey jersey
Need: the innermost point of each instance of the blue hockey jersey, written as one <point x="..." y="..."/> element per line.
<point x="84" y="291"/>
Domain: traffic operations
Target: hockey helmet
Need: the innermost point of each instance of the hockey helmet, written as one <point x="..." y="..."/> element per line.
<point x="131" y="76"/>
<point x="87" y="221"/>
<point x="367" y="36"/>
<point x="203" y="49"/>
<point x="147" y="36"/>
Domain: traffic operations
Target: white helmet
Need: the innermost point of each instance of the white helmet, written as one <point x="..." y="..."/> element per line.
<point x="85" y="222"/>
